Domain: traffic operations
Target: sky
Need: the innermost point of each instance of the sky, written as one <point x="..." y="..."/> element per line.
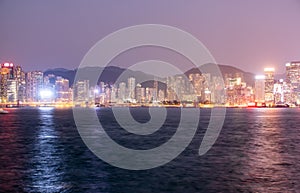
<point x="249" y="34"/>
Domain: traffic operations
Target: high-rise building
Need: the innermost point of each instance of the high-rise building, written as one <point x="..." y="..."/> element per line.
<point x="62" y="89"/>
<point x="131" y="88"/>
<point x="278" y="92"/>
<point x="149" y="95"/>
<point x="269" y="85"/>
<point x="197" y="81"/>
<point x="34" y="84"/>
<point x="293" y="81"/>
<point x="5" y="75"/>
<point x="260" y="88"/>
<point x="122" y="92"/>
<point x="81" y="92"/>
<point x="140" y="93"/>
<point x="12" y="94"/>
<point x="19" y="75"/>
<point x="113" y="94"/>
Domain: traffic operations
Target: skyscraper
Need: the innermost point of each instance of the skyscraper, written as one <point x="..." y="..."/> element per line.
<point x="21" y="83"/>
<point x="34" y="83"/>
<point x="81" y="92"/>
<point x="293" y="81"/>
<point x="122" y="92"/>
<point x="131" y="88"/>
<point x="269" y="85"/>
<point x="12" y="91"/>
<point x="5" y="75"/>
<point x="62" y="89"/>
<point x="260" y="88"/>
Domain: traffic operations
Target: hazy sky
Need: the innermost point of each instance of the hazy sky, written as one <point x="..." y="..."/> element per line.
<point x="249" y="34"/>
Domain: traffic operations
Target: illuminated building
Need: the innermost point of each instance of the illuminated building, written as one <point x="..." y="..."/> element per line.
<point x="293" y="81"/>
<point x="161" y="95"/>
<point x="19" y="76"/>
<point x="149" y="94"/>
<point x="155" y="90"/>
<point x="113" y="94"/>
<point x="237" y="92"/>
<point x="197" y="84"/>
<point x="81" y="92"/>
<point x="171" y="95"/>
<point x="278" y="92"/>
<point x="217" y="88"/>
<point x="12" y="94"/>
<point x="177" y="87"/>
<point x="62" y="89"/>
<point x="7" y="73"/>
<point x="122" y="92"/>
<point x="131" y="88"/>
<point x="140" y="93"/>
<point x="260" y="88"/>
<point x="269" y="86"/>
<point x="34" y="84"/>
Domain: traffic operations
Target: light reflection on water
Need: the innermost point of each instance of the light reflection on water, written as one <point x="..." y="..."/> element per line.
<point x="46" y="170"/>
<point x="269" y="167"/>
<point x="258" y="150"/>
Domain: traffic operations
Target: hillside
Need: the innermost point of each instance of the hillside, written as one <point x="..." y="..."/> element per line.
<point x="110" y="74"/>
<point x="225" y="69"/>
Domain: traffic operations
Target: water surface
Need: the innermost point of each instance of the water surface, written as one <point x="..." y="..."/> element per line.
<point x="257" y="151"/>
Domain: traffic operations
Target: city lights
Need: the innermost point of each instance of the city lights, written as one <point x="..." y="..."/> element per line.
<point x="32" y="88"/>
<point x="260" y="77"/>
<point x="269" y="69"/>
<point x="46" y="94"/>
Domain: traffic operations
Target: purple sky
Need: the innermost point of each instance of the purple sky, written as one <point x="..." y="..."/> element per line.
<point x="249" y="34"/>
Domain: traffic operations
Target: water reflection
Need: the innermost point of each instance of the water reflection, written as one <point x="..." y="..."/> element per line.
<point x="46" y="170"/>
<point x="267" y="169"/>
<point x="12" y="153"/>
<point x="257" y="151"/>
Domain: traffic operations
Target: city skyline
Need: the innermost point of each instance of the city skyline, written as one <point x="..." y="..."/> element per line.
<point x="230" y="89"/>
<point x="43" y="35"/>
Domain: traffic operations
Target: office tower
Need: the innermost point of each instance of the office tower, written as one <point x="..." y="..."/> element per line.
<point x="260" y="88"/>
<point x="197" y="81"/>
<point x="161" y="95"/>
<point x="81" y="92"/>
<point x="12" y="94"/>
<point x="62" y="89"/>
<point x="131" y="88"/>
<point x="218" y="93"/>
<point x="237" y="91"/>
<point x="19" y="75"/>
<point x="6" y="74"/>
<point x="269" y="86"/>
<point x="178" y="87"/>
<point x="113" y="94"/>
<point x="293" y="82"/>
<point x="278" y="92"/>
<point x="34" y="84"/>
<point x="155" y="90"/>
<point x="149" y="94"/>
<point x="171" y="95"/>
<point x="140" y="93"/>
<point x="122" y="92"/>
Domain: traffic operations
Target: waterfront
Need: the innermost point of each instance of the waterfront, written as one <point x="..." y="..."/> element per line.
<point x="258" y="150"/>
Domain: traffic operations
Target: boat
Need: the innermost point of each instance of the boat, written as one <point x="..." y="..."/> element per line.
<point x="282" y="105"/>
<point x="3" y="111"/>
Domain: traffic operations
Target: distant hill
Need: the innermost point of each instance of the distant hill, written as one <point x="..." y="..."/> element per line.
<point x="225" y="69"/>
<point x="110" y="74"/>
<point x="65" y="73"/>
